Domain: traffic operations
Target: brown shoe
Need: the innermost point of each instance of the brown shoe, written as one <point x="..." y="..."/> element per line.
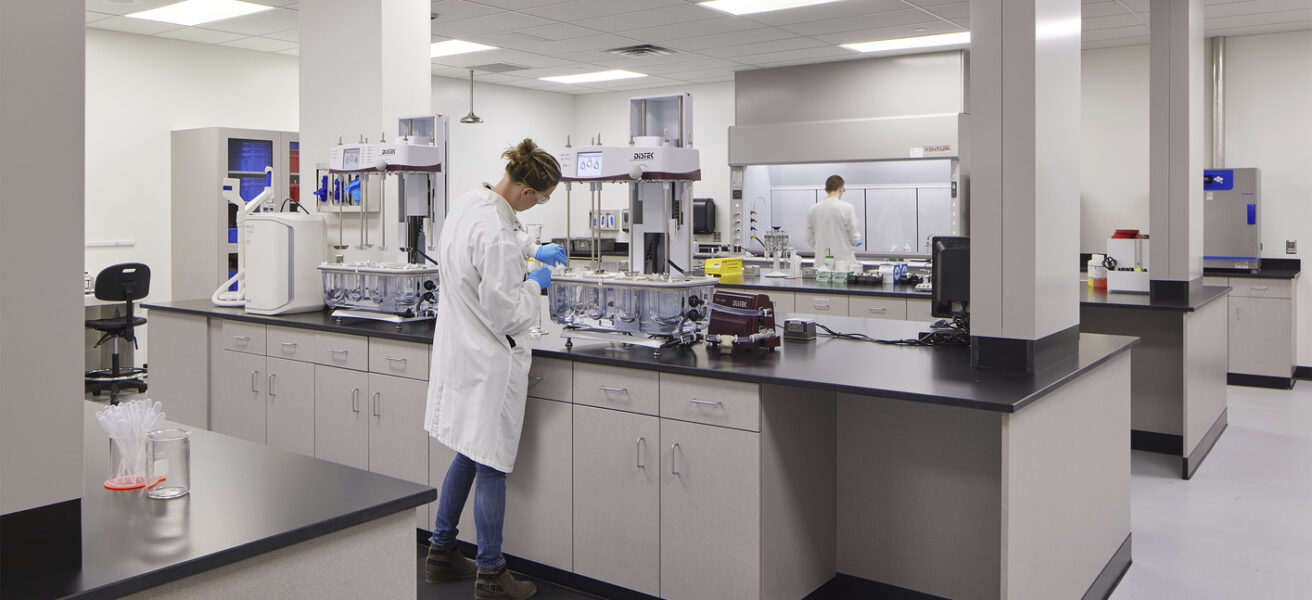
<point x="501" y="585"/>
<point x="446" y="563"/>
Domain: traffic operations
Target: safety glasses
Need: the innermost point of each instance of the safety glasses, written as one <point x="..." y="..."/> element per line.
<point x="542" y="198"/>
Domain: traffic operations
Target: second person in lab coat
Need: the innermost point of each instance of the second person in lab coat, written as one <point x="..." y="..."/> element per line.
<point x="831" y="225"/>
<point x="479" y="377"/>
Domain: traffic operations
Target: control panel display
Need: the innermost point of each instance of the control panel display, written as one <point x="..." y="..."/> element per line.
<point x="589" y="164"/>
<point x="350" y="159"/>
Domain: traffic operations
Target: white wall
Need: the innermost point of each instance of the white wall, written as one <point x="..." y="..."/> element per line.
<point x="509" y="115"/>
<point x="712" y="114"/>
<point x="1114" y="134"/>
<point x="141" y="88"/>
<point x="1267" y="124"/>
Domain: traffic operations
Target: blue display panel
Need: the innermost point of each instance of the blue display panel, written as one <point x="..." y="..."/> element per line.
<point x="1219" y="179"/>
<point x="250" y="156"/>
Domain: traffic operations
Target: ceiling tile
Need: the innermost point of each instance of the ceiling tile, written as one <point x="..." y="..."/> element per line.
<point x="558" y="31"/>
<point x="796" y="43"/>
<point x="648" y="18"/>
<point x="764" y="34"/>
<point x="1268" y="28"/>
<point x="290" y="35"/>
<point x="572" y="12"/>
<point x="291" y="51"/>
<point x="455" y="10"/>
<point x="519" y="4"/>
<point x="821" y="54"/>
<point x="282" y="3"/>
<point x="699" y="63"/>
<point x="1121" y="20"/>
<point x="138" y="26"/>
<point x="876" y="21"/>
<point x="95" y="16"/>
<point x="888" y="33"/>
<point x="123" y="7"/>
<point x="681" y="31"/>
<point x="1264" y="18"/>
<point x="1253" y="7"/>
<point x="830" y="11"/>
<point x="269" y="21"/>
<point x="496" y="23"/>
<point x="594" y="42"/>
<point x="261" y="44"/>
<point x="202" y="36"/>
<point x="1102" y="9"/>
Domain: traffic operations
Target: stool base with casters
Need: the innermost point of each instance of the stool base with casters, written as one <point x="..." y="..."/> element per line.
<point x="126" y="282"/>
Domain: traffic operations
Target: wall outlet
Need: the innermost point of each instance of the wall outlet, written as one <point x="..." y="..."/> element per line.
<point x="1291" y="246"/>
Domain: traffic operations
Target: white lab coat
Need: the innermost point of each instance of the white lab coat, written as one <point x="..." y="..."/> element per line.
<point x="479" y="378"/>
<point x="831" y="224"/>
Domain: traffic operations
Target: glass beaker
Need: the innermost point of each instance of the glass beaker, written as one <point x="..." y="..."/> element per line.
<point x="127" y="463"/>
<point x="168" y="454"/>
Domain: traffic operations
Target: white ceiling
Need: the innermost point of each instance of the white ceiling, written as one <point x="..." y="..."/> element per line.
<point x="560" y="37"/>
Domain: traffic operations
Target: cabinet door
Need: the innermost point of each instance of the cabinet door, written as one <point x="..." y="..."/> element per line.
<point x="179" y="367"/>
<point x="290" y="405"/>
<point x="710" y="512"/>
<point x="1260" y="340"/>
<point x="341" y="421"/>
<point x="877" y="307"/>
<point x="836" y="304"/>
<point x="920" y="309"/>
<point x="539" y="518"/>
<point x="398" y="444"/>
<point x="784" y="303"/>
<point x="238" y="410"/>
<point x="617" y="501"/>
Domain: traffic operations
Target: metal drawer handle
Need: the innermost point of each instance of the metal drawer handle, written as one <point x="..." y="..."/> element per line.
<point x="355" y="400"/>
<point x="395" y="359"/>
<point x="255" y="376"/>
<point x="605" y="388"/>
<point x="1258" y="288"/>
<point x="642" y="441"/>
<point x="378" y="404"/>
<point x="819" y="305"/>
<point x="534" y="380"/>
<point x="245" y="339"/>
<point x="706" y="403"/>
<point x="286" y="345"/>
<point x="877" y="309"/>
<point x="272" y="378"/>
<point x="342" y="352"/>
<point x="674" y="465"/>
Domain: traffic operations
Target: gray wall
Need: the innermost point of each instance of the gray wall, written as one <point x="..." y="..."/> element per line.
<point x="42" y="67"/>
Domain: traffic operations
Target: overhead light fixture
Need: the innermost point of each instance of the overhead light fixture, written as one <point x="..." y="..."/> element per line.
<point x="747" y="7"/>
<point x="453" y="47"/>
<point x="471" y="118"/>
<point x="195" y="12"/>
<point x="910" y="43"/>
<point x="594" y="76"/>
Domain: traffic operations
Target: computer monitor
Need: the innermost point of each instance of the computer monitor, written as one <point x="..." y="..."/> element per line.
<point x="951" y="279"/>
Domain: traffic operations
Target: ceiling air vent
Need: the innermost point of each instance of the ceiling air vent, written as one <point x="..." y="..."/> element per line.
<point x="641" y="50"/>
<point x="497" y="68"/>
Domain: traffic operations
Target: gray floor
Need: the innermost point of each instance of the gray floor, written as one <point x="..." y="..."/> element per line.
<point x="1242" y="527"/>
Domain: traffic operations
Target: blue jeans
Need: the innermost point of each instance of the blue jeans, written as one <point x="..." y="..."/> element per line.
<point x="489" y="509"/>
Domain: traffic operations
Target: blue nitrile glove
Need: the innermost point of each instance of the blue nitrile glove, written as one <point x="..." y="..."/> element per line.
<point x="552" y="254"/>
<point x="860" y="242"/>
<point x="542" y="275"/>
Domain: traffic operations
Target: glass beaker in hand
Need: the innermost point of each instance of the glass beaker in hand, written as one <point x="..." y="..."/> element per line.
<point x="168" y="459"/>
<point x="533" y="264"/>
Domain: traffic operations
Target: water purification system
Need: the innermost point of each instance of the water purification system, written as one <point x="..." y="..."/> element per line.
<point x="1232" y="225"/>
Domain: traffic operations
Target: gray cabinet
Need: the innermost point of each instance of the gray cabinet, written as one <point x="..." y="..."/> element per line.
<point x="179" y="375"/>
<point x="238" y="408"/>
<point x="341" y="416"/>
<point x="617" y="508"/>
<point x="1260" y="343"/>
<point x="398" y="444"/>
<point x="289" y="403"/>
<point x="539" y="519"/>
<point x="710" y="512"/>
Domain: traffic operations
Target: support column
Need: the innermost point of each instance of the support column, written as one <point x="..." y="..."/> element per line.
<point x="364" y="64"/>
<point x="42" y="113"/>
<point x="1176" y="148"/>
<point x="1024" y="106"/>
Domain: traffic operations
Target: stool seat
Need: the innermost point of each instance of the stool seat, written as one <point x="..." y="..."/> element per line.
<point x="114" y="323"/>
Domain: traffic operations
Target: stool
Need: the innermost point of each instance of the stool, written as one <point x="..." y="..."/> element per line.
<point x="127" y="282"/>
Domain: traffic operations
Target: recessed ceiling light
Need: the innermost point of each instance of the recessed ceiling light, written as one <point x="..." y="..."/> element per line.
<point x="747" y="7"/>
<point x="452" y="47"/>
<point x="595" y="76"/>
<point x="924" y="41"/>
<point x="195" y="12"/>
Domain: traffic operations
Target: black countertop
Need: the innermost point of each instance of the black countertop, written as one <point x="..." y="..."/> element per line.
<point x="941" y="376"/>
<point x="246" y="500"/>
<point x="812" y="286"/>
<point x="1204" y="296"/>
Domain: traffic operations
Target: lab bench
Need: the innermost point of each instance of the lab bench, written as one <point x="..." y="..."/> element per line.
<point x="835" y="465"/>
<point x="1178" y="397"/>
<point x="257" y="519"/>
<point x="1263" y="324"/>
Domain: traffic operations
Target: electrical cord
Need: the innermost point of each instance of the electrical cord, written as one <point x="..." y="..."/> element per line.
<point x="945" y="333"/>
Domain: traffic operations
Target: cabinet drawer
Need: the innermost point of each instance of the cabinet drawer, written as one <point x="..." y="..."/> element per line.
<point x="289" y="343"/>
<point x="1260" y="288"/>
<point x="617" y="388"/>
<point x="552" y="379"/>
<point x="821" y="303"/>
<point x="340" y="350"/>
<point x="784" y="303"/>
<point x="711" y="401"/>
<point x="877" y="307"/>
<point x="920" y="309"/>
<point x="403" y="359"/>
<point x="243" y="337"/>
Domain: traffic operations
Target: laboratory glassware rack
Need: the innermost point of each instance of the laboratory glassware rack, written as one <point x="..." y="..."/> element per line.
<point x="204" y="247"/>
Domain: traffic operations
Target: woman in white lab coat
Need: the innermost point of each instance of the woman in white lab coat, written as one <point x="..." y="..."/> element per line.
<point x="479" y="380"/>
<point x="831" y="225"/>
